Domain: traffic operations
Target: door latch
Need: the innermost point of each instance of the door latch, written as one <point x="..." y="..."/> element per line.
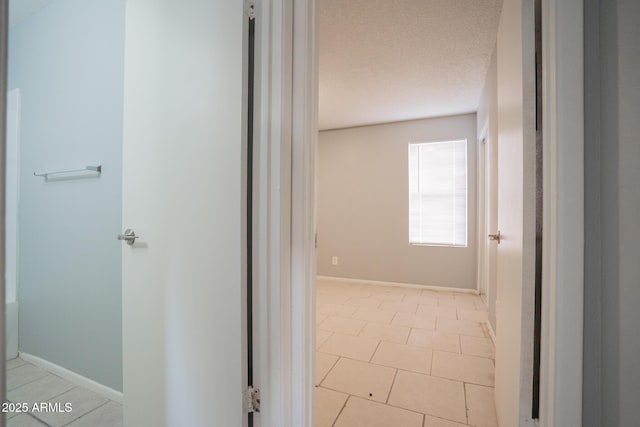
<point x="128" y="236"/>
<point x="495" y="237"/>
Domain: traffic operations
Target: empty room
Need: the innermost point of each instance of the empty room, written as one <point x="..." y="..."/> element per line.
<point x="405" y="182"/>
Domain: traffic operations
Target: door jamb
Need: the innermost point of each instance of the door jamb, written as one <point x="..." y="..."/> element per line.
<point x="284" y="269"/>
<point x="563" y="215"/>
<point x="287" y="93"/>
<point x="4" y="36"/>
<point x="481" y="225"/>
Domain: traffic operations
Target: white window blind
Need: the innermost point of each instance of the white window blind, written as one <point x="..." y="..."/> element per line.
<point x="438" y="193"/>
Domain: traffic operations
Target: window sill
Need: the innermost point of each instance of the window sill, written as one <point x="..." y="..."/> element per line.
<point x="438" y="245"/>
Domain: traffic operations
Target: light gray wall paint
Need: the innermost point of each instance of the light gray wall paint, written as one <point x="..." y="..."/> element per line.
<point x="612" y="159"/>
<point x="67" y="59"/>
<point x="363" y="205"/>
<point x="488" y="110"/>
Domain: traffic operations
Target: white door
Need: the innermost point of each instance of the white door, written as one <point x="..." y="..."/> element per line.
<point x="491" y="217"/>
<point x="516" y="213"/>
<point x="182" y="298"/>
<point x="488" y="173"/>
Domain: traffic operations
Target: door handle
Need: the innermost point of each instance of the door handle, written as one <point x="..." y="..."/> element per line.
<point x="495" y="237"/>
<point x="129" y="236"/>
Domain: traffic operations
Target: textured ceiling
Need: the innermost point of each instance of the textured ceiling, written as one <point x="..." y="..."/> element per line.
<point x="392" y="60"/>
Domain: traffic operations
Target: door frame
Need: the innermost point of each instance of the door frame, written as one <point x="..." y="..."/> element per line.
<point x="482" y="219"/>
<point x="4" y="55"/>
<point x="287" y="137"/>
<point x="563" y="213"/>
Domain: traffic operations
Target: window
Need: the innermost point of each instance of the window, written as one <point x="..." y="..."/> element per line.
<point x="438" y="193"/>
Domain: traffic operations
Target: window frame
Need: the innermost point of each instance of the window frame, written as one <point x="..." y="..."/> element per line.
<point x="466" y="213"/>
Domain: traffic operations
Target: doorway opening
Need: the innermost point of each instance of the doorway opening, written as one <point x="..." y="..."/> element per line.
<point x="403" y="288"/>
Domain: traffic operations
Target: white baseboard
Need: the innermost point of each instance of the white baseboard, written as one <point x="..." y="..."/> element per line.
<point x="400" y="285"/>
<point x="74" y="378"/>
<point x="492" y="333"/>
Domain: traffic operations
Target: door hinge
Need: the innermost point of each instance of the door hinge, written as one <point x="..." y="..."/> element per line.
<point x="251" y="400"/>
<point x="250" y="9"/>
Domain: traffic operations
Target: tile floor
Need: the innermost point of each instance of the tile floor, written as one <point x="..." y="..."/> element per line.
<point x="401" y="357"/>
<point x="27" y="383"/>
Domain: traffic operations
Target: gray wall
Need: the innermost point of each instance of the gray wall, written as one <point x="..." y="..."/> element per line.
<point x="488" y="110"/>
<point x="612" y="203"/>
<point x="67" y="59"/>
<point x="363" y="205"/>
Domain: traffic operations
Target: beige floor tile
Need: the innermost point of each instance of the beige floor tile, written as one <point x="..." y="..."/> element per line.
<point x="389" y="296"/>
<point x="83" y="401"/>
<point x="465" y="305"/>
<point x="360" y="348"/>
<point x="360" y="379"/>
<point x="373" y="315"/>
<point x="473" y="315"/>
<point x="363" y="302"/>
<point x="356" y="293"/>
<point x="447" y="294"/>
<point x="434" y="340"/>
<point x="439" y="422"/>
<point x="334" y="310"/>
<point x="384" y="332"/>
<point x="321" y="337"/>
<point x="412" y="291"/>
<point x="24" y="374"/>
<point x="426" y="333"/>
<point x="462" y="327"/>
<point x="421" y="299"/>
<point x="432" y="310"/>
<point x="24" y="420"/>
<point x="402" y="356"/>
<point x="331" y="299"/>
<point x="461" y="367"/>
<point x="323" y="364"/>
<point x="446" y="301"/>
<point x="345" y="325"/>
<point x="14" y="363"/>
<point x="429" y="293"/>
<point x="481" y="406"/>
<point x="108" y="415"/>
<point x="477" y="346"/>
<point x="414" y="321"/>
<point x="320" y="318"/>
<point x="40" y="390"/>
<point x="438" y="397"/>
<point x="482" y="306"/>
<point x="327" y="404"/>
<point x="399" y="306"/>
<point x="467" y="297"/>
<point x="386" y="288"/>
<point x="365" y="413"/>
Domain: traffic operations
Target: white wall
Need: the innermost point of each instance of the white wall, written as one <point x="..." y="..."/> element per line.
<point x="67" y="59"/>
<point x="363" y="205"/>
